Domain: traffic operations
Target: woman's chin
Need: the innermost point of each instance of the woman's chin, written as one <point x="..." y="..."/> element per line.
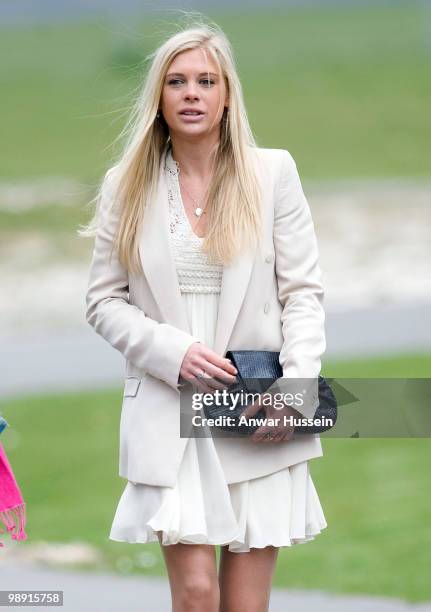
<point x="191" y="130"/>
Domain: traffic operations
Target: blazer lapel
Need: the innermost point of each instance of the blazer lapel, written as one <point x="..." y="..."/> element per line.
<point x="158" y="260"/>
<point x="235" y="280"/>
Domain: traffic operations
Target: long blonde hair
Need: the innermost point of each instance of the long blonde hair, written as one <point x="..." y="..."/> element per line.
<point x="234" y="215"/>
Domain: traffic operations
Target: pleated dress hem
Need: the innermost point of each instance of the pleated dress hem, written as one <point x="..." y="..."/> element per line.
<point x="281" y="509"/>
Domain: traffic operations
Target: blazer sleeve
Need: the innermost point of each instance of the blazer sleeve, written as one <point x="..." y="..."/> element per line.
<point x="157" y="348"/>
<point x="300" y="289"/>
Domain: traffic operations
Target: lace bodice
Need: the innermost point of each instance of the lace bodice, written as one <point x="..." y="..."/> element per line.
<point x="195" y="273"/>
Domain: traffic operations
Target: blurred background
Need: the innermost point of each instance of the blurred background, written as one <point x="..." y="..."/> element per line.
<point x="345" y="87"/>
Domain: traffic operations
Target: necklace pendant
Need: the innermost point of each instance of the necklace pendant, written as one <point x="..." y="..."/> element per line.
<point x="198" y="212"/>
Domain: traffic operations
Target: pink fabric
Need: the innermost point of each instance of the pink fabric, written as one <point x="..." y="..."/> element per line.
<point x="12" y="505"/>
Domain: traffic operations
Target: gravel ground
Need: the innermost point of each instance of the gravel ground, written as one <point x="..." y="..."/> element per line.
<point x="110" y="592"/>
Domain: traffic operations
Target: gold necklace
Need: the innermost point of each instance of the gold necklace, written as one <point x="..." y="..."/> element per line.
<point x="199" y="211"/>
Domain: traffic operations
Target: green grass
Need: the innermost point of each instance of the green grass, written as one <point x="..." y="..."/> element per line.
<point x="344" y="89"/>
<point x="407" y="365"/>
<point x="39" y="218"/>
<point x="375" y="492"/>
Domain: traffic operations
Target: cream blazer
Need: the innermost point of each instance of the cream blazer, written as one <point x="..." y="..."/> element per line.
<point x="271" y="299"/>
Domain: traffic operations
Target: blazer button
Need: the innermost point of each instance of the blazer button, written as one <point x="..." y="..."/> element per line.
<point x="269" y="258"/>
<point x="266" y="307"/>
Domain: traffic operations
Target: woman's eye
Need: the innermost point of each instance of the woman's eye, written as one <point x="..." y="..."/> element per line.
<point x="207" y="82"/>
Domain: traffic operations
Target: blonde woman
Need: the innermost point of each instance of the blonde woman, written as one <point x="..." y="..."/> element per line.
<point x="205" y="243"/>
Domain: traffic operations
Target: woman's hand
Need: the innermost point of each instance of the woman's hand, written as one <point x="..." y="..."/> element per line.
<point x="201" y="366"/>
<point x="278" y="432"/>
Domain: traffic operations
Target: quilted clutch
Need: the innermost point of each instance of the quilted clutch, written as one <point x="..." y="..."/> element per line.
<point x="257" y="371"/>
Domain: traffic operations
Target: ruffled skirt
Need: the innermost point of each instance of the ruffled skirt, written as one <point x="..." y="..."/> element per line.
<point x="279" y="509"/>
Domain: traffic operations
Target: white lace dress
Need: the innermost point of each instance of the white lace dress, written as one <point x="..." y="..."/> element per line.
<point x="202" y="508"/>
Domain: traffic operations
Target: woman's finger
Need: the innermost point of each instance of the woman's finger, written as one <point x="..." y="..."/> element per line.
<point x="218" y="367"/>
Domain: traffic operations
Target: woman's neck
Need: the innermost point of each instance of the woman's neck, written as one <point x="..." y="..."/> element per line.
<point x="196" y="159"/>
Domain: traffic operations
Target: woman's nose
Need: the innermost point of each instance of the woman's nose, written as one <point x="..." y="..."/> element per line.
<point x="191" y="92"/>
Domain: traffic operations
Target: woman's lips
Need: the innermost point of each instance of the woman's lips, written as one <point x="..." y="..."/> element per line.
<point x="191" y="118"/>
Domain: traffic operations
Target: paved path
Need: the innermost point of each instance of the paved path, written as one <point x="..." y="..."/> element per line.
<point x="80" y="358"/>
<point x="110" y="593"/>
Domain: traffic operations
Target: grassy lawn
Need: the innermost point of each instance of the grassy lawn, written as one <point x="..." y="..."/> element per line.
<point x="375" y="492"/>
<point x="318" y="82"/>
<point x="343" y="89"/>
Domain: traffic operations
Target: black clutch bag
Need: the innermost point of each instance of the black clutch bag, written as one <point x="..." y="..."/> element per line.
<point x="257" y="371"/>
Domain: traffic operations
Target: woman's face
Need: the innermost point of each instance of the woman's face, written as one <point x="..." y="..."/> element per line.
<point x="187" y="85"/>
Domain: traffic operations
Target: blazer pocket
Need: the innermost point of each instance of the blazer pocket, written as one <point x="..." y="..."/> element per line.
<point x="131" y="386"/>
